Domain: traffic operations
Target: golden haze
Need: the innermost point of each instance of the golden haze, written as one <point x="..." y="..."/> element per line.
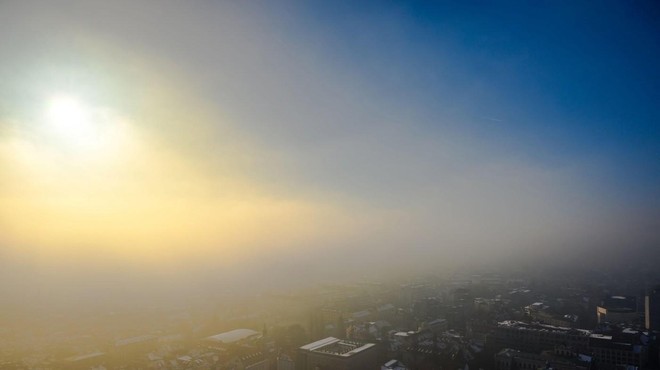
<point x="151" y="193"/>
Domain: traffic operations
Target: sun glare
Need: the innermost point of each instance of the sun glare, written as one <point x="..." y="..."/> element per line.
<point x="70" y="119"/>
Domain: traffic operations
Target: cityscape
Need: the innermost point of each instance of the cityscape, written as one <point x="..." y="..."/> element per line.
<point x="321" y="185"/>
<point x="515" y="320"/>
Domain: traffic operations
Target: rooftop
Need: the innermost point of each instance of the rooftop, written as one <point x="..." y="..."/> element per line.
<point x="133" y="340"/>
<point x="394" y="365"/>
<point x="541" y="327"/>
<point x="233" y="336"/>
<point x="337" y="347"/>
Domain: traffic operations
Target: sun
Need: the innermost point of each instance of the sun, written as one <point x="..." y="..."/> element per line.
<point x="67" y="111"/>
<point x="72" y="120"/>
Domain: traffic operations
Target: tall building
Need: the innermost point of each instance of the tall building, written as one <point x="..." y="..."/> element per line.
<point x="652" y="309"/>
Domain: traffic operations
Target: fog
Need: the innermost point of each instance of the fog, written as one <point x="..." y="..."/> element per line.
<point x="264" y="153"/>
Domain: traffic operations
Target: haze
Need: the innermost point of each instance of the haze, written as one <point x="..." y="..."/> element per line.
<point x="242" y="145"/>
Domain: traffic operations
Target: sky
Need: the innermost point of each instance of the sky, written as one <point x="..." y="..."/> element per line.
<point x="304" y="140"/>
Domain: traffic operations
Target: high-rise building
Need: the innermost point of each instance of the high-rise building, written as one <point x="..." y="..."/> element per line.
<point x="652" y="308"/>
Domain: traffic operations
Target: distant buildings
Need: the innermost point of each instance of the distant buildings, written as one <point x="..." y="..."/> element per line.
<point x="436" y="326"/>
<point x="239" y="349"/>
<point x="455" y="325"/>
<point x="233" y="337"/>
<point x="608" y="351"/>
<point x="285" y="362"/>
<point x="393" y="365"/>
<point x="253" y="361"/>
<point x="334" y="353"/>
<point x="544" y="314"/>
<point x="511" y="359"/>
<point x="536" y="337"/>
<point x="132" y="348"/>
<point x="433" y="348"/>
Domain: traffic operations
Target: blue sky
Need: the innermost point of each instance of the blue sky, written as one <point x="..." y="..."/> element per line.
<point x="555" y="81"/>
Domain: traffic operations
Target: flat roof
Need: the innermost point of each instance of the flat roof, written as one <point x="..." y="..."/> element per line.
<point x="319" y="343"/>
<point x="233" y="335"/>
<point x="133" y="340"/>
<point x="617" y="309"/>
<point x="358" y="349"/>
<point x="541" y="327"/>
<point x="337" y="347"/>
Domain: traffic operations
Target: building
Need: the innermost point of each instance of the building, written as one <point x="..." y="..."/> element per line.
<point x="253" y="361"/>
<point x="436" y="326"/>
<point x="386" y="311"/>
<point x="285" y="362"/>
<point x="339" y="354"/>
<point x="546" y="315"/>
<point x="232" y="337"/>
<point x="487" y="305"/>
<point x="617" y="309"/>
<point x="393" y="365"/>
<point x="615" y="315"/>
<point x="536" y="337"/>
<point x="511" y="359"/>
<point x="610" y="353"/>
<point x="652" y="309"/>
<point x="133" y="348"/>
<point x="607" y="351"/>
